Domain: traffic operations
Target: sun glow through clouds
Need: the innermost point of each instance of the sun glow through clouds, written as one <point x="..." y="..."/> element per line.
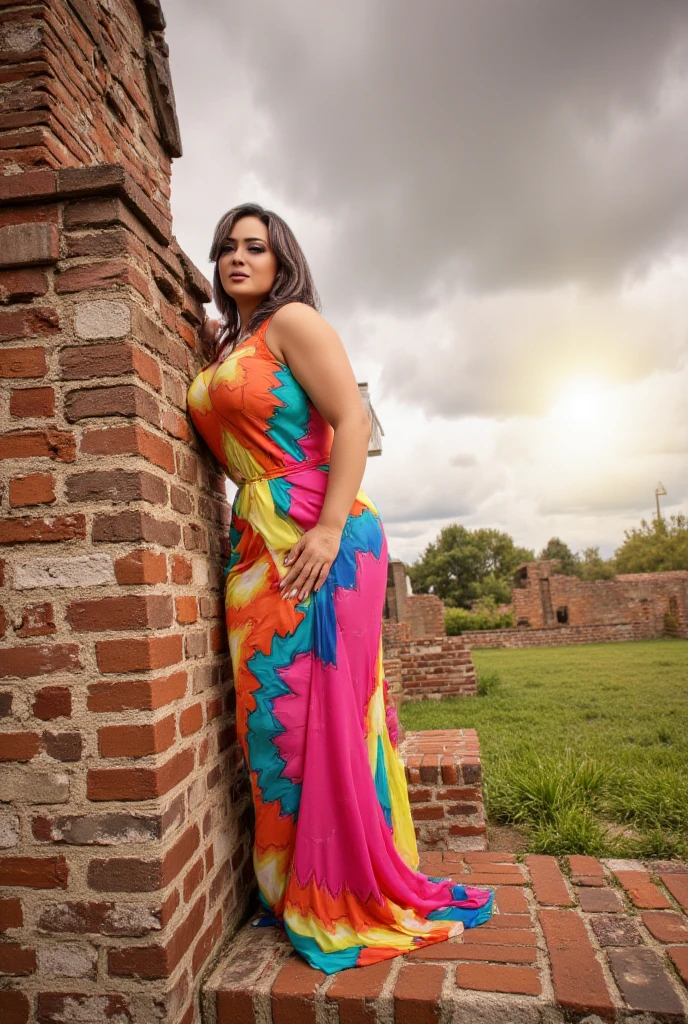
<point x="585" y="422"/>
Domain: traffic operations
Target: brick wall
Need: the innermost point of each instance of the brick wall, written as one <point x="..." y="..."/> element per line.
<point x="558" y="636"/>
<point x="425" y="615"/>
<point x="444" y="778"/>
<point x="434" y="667"/>
<point x="542" y="598"/>
<point x="394" y="633"/>
<point x="125" y="820"/>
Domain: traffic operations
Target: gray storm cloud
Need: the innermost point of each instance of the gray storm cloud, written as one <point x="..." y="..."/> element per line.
<point x="493" y="196"/>
<point x="503" y="143"/>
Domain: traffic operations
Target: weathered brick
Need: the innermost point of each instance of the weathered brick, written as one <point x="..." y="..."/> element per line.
<point x="33" y="489"/>
<point x="132" y="611"/>
<point x="139" y="783"/>
<point x="677" y="884"/>
<point x="141" y="567"/>
<point x="135" y="526"/>
<point x="548" y="881"/>
<point x="181" y="569"/>
<point x="11" y="914"/>
<point x="579" y="984"/>
<point x="82" y="571"/>
<point x="36" y="787"/>
<point x="120" y="400"/>
<point x="136" y="740"/>
<point x="34" y="872"/>
<point x="354" y="991"/>
<point x="158" y="961"/>
<point x="131" y="439"/>
<point x="14" y="1007"/>
<point x="679" y="955"/>
<point x="39" y="659"/>
<point x="417" y="994"/>
<point x="23" y="245"/>
<point x="43" y="444"/>
<point x="22" y="285"/>
<point x="293" y="992"/>
<point x="37" y="620"/>
<point x="19" y="746"/>
<point x="666" y="926"/>
<point x="23" y="363"/>
<point x="102" y="318"/>
<point x="644" y="981"/>
<point x="191" y="720"/>
<point x="642" y="891"/>
<point x="138" y="654"/>
<point x="63" y="746"/>
<point x="113" y="829"/>
<point x="44" y="530"/>
<point x="86" y="361"/>
<point x="144" y="694"/>
<point x="117" y="485"/>
<point x="16" y="960"/>
<point x="616" y="930"/>
<point x="25" y="323"/>
<point x="68" y="960"/>
<point x="27" y="402"/>
<point x="62" y="1007"/>
<point x="52" y="701"/>
<point x="598" y="901"/>
<point x="492" y="978"/>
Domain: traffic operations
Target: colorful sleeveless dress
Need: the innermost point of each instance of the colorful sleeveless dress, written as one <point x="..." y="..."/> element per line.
<point x="335" y="850"/>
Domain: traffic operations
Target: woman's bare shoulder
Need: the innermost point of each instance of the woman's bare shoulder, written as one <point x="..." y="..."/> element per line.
<point x="296" y="315"/>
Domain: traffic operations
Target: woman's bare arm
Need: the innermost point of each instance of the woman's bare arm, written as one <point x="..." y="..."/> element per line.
<point x="315" y="354"/>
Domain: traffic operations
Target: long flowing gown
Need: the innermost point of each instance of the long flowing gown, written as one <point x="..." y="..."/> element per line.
<point x="335" y="851"/>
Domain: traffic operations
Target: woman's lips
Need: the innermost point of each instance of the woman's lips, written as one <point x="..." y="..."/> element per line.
<point x="239" y="277"/>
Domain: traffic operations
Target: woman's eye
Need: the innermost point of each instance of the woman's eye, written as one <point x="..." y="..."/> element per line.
<point x="255" y="248"/>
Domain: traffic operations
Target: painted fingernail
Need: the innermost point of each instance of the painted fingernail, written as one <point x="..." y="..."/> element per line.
<point x="292" y="593"/>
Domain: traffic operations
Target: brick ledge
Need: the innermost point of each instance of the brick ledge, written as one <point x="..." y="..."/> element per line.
<point x="574" y="937"/>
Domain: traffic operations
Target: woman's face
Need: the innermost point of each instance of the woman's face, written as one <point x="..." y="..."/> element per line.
<point x="247" y="265"/>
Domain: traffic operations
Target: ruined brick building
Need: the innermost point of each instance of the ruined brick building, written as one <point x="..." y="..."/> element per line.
<point x="553" y="610"/>
<point x="652" y="603"/>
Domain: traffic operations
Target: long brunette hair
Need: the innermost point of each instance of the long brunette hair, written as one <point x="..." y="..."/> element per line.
<point x="293" y="281"/>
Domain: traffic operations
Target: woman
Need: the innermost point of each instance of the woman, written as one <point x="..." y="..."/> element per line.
<point x="335" y="852"/>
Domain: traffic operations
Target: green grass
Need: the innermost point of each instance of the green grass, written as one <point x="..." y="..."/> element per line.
<point x="585" y="748"/>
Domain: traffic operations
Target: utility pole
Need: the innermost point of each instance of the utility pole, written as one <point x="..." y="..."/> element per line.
<point x="659" y="489"/>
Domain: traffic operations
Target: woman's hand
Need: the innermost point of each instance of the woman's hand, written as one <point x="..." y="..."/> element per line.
<point x="311" y="559"/>
<point x="210" y="331"/>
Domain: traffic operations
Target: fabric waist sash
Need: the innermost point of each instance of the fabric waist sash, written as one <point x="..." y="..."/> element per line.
<point x="273" y="474"/>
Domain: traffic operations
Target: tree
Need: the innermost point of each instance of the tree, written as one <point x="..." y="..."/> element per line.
<point x="463" y="565"/>
<point x="591" y="566"/>
<point x="556" y="548"/>
<point x="655" y="547"/>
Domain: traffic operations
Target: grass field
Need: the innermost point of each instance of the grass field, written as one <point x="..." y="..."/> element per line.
<point x="585" y="748"/>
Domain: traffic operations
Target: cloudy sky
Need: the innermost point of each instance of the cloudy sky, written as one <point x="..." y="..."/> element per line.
<point x="493" y="199"/>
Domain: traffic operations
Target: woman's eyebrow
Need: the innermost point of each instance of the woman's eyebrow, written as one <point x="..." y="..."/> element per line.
<point x="232" y="239"/>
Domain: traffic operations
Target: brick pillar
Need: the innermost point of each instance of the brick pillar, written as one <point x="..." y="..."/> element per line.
<point x="124" y="812"/>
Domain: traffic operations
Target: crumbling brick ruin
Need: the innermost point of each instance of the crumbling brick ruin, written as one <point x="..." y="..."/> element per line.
<point x="551" y="610"/>
<point x="542" y="598"/>
<point x="419" y="656"/>
<point x="125" y="819"/>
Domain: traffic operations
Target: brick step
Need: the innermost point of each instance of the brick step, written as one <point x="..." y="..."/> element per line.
<point x="444" y="780"/>
<point x="574" y="937"/>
